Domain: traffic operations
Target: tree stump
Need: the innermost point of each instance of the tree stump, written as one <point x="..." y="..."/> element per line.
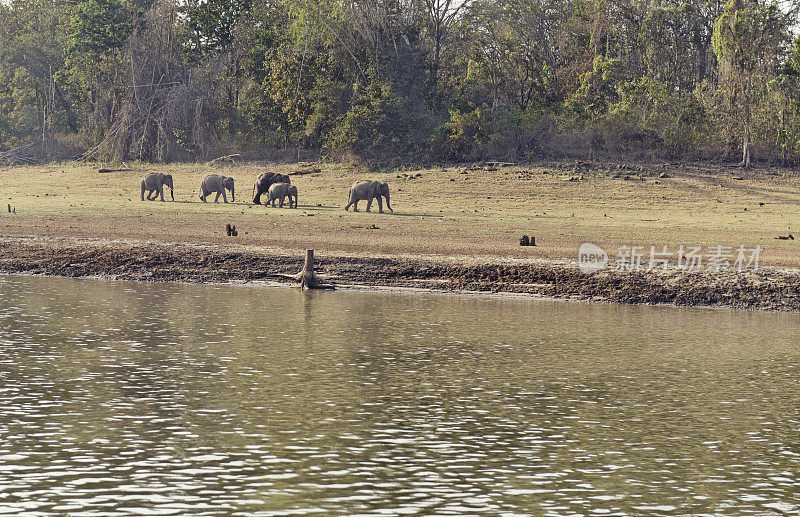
<point x="306" y="277"/>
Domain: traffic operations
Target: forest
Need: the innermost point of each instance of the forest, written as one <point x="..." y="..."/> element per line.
<point x="400" y="82"/>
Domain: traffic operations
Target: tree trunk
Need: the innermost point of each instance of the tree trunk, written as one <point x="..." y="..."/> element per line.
<point x="745" y="154"/>
<point x="306" y="277"/>
<point x="747" y="117"/>
<point x="72" y="120"/>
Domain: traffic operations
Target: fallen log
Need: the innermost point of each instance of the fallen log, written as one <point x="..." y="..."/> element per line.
<point x="224" y="158"/>
<point x="104" y="171"/>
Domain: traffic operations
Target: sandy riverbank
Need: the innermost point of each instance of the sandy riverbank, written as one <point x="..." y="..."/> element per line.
<point x="765" y="289"/>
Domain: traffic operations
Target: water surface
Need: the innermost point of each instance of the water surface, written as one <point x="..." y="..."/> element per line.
<point x="165" y="399"/>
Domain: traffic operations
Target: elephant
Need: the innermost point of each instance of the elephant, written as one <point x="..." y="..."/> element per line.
<point x="216" y="183"/>
<point x="264" y="181"/>
<point x="280" y="191"/>
<point x="369" y="190"/>
<point x="154" y="185"/>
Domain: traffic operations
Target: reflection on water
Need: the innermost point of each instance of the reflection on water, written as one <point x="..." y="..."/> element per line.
<point x="152" y="399"/>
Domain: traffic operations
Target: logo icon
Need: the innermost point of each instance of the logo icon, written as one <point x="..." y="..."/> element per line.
<point x="591" y="258"/>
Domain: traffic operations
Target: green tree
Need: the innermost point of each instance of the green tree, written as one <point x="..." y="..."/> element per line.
<point x="97" y="33"/>
<point x="210" y="25"/>
<point x="98" y="29"/>
<point x="747" y="41"/>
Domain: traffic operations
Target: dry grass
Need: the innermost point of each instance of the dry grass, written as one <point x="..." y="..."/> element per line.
<point x="443" y="212"/>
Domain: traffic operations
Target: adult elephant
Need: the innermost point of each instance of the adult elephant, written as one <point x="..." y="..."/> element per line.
<point x="369" y="190"/>
<point x="279" y="192"/>
<point x="154" y="185"/>
<point x="216" y="183"/>
<point x="265" y="181"/>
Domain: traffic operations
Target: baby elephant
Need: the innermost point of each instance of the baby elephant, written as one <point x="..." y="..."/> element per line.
<point x="154" y="185"/>
<point x="367" y="191"/>
<point x="216" y="183"/>
<point x="280" y="191"/>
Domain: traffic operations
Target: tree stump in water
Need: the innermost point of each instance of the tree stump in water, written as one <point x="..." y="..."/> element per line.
<point x="306" y="277"/>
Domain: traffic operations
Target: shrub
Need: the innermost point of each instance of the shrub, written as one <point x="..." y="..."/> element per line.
<point x="379" y="125"/>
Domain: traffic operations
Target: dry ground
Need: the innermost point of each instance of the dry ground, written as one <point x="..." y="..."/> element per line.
<point x="445" y="212"/>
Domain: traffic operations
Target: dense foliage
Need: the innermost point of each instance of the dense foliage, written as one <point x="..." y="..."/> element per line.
<point x="402" y="80"/>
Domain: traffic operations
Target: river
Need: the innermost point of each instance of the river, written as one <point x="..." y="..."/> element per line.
<point x="167" y="399"/>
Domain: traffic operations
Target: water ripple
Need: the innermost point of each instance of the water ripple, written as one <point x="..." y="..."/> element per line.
<point x="129" y="399"/>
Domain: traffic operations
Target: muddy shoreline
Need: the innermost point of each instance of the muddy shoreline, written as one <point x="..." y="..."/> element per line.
<point x="765" y="289"/>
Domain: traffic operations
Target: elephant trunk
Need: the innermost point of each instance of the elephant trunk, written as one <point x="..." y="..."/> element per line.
<point x="167" y="180"/>
<point x="387" y="201"/>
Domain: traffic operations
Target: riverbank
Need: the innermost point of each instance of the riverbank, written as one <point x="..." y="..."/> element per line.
<point x="764" y="289"/>
<point x="465" y="210"/>
<point x="454" y="228"/>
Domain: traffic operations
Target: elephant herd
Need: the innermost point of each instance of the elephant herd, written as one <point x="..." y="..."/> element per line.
<point x="277" y="187"/>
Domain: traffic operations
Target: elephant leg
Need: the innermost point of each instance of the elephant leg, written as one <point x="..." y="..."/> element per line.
<point x="216" y="198"/>
<point x="369" y="204"/>
<point x="203" y="195"/>
<point x="224" y="198"/>
<point x="161" y="193"/>
<point x="380" y="205"/>
<point x="151" y="195"/>
<point x="257" y="197"/>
